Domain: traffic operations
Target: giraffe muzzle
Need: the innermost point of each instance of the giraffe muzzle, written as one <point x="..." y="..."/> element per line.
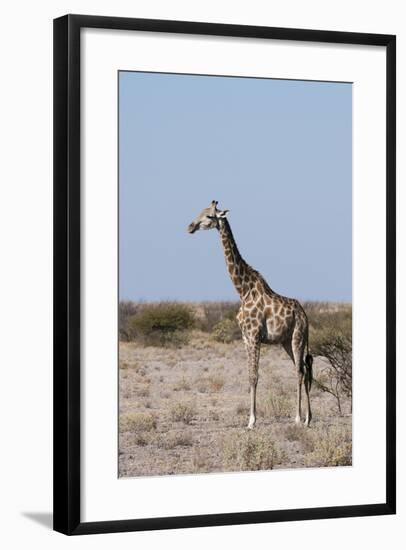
<point x="192" y="228"/>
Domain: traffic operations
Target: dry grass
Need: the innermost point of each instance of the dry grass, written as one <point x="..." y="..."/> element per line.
<point x="174" y="439"/>
<point x="182" y="412"/>
<point x="249" y="450"/>
<point x="331" y="446"/>
<point x="137" y="422"/>
<point x="185" y="410"/>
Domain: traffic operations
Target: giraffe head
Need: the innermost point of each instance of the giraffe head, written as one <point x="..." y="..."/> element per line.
<point x="209" y="218"/>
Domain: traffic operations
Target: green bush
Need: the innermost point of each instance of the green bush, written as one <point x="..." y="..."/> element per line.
<point x="162" y="324"/>
<point x="226" y="331"/>
<point x="214" y="312"/>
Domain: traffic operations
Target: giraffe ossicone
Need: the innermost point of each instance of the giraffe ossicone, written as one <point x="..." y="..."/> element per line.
<point x="264" y="317"/>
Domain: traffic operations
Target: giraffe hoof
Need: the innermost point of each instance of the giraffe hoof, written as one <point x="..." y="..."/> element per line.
<point x="298" y="420"/>
<point x="251" y="425"/>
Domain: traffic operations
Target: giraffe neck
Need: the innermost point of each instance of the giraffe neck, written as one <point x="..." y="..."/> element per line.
<point x="237" y="267"/>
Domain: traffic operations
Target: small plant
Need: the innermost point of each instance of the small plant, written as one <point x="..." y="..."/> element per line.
<point x="182" y="412"/>
<point x="250" y="451"/>
<point x="137" y="422"/>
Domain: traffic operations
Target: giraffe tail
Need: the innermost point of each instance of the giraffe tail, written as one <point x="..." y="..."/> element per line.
<point x="309" y="368"/>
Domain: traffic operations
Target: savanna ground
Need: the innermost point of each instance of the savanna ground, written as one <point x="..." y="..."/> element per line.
<point x="183" y="393"/>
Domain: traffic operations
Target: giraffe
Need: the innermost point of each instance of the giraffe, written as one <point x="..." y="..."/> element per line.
<point x="264" y="316"/>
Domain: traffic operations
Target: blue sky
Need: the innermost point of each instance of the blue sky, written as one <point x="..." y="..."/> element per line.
<point x="276" y="153"/>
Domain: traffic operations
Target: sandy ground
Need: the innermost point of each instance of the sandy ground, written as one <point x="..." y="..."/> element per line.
<point x="186" y="410"/>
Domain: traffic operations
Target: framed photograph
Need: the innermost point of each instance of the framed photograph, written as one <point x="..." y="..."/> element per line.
<point x="224" y="267"/>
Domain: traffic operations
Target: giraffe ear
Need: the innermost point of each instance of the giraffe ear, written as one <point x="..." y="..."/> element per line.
<point x="223" y="213"/>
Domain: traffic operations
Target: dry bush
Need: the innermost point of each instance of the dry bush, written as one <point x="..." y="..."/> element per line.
<point x="331" y="446"/>
<point x="137" y="422"/>
<point x="162" y="324"/>
<point x="250" y="451"/>
<point x="182" y="412"/>
<point x="174" y="439"/>
<point x="331" y="338"/>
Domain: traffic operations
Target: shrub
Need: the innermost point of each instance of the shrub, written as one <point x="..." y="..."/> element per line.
<point x="126" y="310"/>
<point x="331" y="337"/>
<point x="137" y="422"/>
<point x="332" y="446"/>
<point x="214" y="312"/>
<point x="162" y="324"/>
<point x="182" y="412"/>
<point x="226" y="331"/>
<point x="172" y="440"/>
<point x="250" y="451"/>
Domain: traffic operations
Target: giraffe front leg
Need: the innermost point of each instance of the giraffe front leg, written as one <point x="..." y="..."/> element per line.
<point x="253" y="398"/>
<point x="253" y="360"/>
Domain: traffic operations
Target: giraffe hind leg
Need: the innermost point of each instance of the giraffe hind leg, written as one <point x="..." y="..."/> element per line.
<point x="296" y="352"/>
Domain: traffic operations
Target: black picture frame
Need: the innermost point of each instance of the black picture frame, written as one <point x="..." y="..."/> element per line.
<point x="67" y="287"/>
